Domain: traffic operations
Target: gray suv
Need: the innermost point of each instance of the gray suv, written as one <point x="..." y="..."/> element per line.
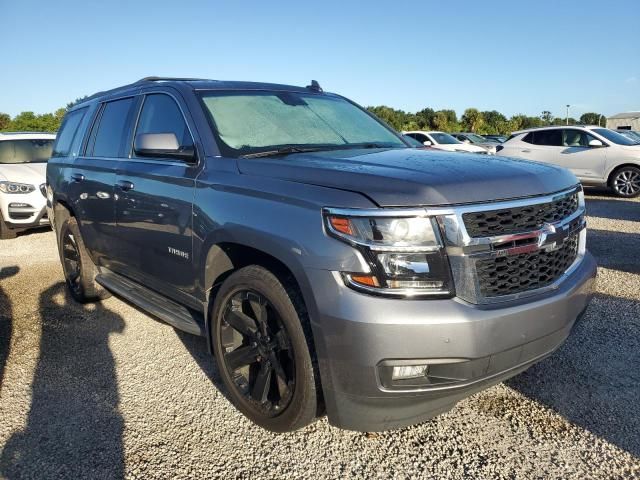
<point x="330" y="267"/>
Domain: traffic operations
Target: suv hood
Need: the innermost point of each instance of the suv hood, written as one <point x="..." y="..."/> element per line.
<point x="32" y="173"/>
<point x="411" y="177"/>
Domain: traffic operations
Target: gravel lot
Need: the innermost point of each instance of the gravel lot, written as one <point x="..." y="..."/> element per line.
<point x="105" y="391"/>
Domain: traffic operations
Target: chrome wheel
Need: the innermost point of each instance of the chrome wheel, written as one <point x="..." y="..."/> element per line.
<point x="627" y="182"/>
<point x="257" y="352"/>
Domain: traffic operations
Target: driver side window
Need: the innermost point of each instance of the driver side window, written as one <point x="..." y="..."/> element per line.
<point x="161" y="114"/>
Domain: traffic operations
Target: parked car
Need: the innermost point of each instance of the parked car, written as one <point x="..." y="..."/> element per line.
<point x="632" y="134"/>
<point x="443" y="141"/>
<point x="329" y="266"/>
<point x="23" y="159"/>
<point x="495" y="138"/>
<point x="412" y="142"/>
<point x="596" y="155"/>
<point x="475" y="139"/>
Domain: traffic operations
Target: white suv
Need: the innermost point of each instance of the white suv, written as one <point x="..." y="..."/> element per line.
<point x="443" y="141"/>
<point x="596" y="155"/>
<point x="23" y="167"/>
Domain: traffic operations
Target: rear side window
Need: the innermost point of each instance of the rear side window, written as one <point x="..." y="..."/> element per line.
<point x="550" y="138"/>
<point x="161" y="114"/>
<point x="68" y="133"/>
<point x="110" y="132"/>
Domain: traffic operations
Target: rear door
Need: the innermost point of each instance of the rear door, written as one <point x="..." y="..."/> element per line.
<point x="154" y="202"/>
<point x="587" y="163"/>
<point x="541" y="146"/>
<point x="93" y="175"/>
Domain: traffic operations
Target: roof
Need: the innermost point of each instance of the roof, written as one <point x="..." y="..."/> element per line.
<point x="204" y="84"/>
<point x="630" y="115"/>
<point x="554" y="127"/>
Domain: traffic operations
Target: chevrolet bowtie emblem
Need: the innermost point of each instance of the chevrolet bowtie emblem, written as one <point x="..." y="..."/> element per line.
<point x="551" y="237"/>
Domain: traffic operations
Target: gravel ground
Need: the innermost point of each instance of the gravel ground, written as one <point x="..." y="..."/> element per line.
<point x="105" y="391"/>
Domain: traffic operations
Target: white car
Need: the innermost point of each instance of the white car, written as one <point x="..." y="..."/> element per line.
<point x="23" y="168"/>
<point x="443" y="141"/>
<point x="596" y="155"/>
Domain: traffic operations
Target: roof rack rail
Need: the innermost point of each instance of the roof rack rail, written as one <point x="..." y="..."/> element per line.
<point x="162" y="79"/>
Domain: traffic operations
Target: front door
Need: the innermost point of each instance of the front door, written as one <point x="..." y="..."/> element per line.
<point x="154" y="199"/>
<point x="586" y="162"/>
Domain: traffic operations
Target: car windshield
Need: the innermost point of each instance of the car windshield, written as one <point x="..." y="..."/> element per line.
<point x="25" y="151"/>
<point x="444" y="138"/>
<point x="476" y="138"/>
<point x="249" y="122"/>
<point x="614" y="137"/>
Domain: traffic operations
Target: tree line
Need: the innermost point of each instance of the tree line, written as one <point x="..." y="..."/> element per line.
<point x="489" y="122"/>
<point x="472" y="120"/>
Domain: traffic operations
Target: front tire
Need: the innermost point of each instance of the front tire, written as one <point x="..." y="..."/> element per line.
<point x="5" y="232"/>
<point x="625" y="182"/>
<point x="79" y="270"/>
<point x="262" y="352"/>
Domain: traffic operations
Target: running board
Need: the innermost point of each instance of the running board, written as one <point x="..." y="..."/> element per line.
<point x="157" y="305"/>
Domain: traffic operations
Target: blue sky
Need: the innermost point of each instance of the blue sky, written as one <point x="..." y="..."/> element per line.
<point x="515" y="57"/>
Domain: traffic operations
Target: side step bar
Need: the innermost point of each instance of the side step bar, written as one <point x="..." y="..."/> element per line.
<point x="167" y="310"/>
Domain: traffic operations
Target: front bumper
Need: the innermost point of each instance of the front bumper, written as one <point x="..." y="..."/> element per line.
<point x="24" y="211"/>
<point x="483" y="345"/>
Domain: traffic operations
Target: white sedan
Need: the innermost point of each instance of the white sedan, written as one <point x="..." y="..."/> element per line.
<point x="443" y="141"/>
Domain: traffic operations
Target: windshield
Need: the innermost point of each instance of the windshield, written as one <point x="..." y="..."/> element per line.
<point x="614" y="137"/>
<point x="476" y="138"/>
<point x="248" y="122"/>
<point x="444" y="138"/>
<point x="25" y="151"/>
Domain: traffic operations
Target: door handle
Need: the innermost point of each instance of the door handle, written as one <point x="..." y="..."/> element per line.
<point x="526" y="151"/>
<point x="125" y="185"/>
<point x="77" y="177"/>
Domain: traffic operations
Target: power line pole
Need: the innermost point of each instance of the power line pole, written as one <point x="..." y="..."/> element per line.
<point x="568" y="114"/>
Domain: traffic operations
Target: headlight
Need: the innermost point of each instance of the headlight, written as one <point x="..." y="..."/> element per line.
<point x="405" y="251"/>
<point x="12" y="187"/>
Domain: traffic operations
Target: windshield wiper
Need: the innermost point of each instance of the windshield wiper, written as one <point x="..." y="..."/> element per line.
<point x="283" y="151"/>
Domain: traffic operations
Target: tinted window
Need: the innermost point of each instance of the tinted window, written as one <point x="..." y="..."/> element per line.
<point x="111" y="131"/>
<point x="68" y="132"/>
<point x="161" y="114"/>
<point x="418" y="136"/>
<point x="25" y="151"/>
<point x="545" y="137"/>
<point x="576" y="138"/>
<point x="445" y="139"/>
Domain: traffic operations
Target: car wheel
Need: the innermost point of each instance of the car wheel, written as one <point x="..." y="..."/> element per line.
<point x="79" y="270"/>
<point x="262" y="351"/>
<point x="5" y="232"/>
<point x="625" y="182"/>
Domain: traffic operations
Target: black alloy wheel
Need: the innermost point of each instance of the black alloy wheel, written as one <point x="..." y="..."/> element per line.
<point x="71" y="262"/>
<point x="257" y="352"/>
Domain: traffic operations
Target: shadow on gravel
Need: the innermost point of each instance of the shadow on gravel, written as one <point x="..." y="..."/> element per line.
<point x="615" y="250"/>
<point x="74" y="428"/>
<point x="6" y="320"/>
<point x="197" y="347"/>
<point x="593" y="380"/>
<point x="613" y="209"/>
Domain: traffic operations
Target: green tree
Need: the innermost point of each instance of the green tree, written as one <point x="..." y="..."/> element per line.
<point x="591" y="118"/>
<point x="5" y="121"/>
<point x="472" y="120"/>
<point x="70" y="105"/>
<point x="494" y="123"/>
<point x="547" y="117"/>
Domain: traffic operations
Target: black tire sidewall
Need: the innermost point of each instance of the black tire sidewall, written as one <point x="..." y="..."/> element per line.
<point x="301" y="410"/>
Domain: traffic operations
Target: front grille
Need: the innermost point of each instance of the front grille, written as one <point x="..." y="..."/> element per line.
<point x="519" y="219"/>
<point x="528" y="271"/>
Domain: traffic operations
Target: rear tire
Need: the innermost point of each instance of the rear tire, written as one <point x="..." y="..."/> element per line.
<point x="625" y="182"/>
<point x="262" y="352"/>
<point x="79" y="270"/>
<point x="5" y="232"/>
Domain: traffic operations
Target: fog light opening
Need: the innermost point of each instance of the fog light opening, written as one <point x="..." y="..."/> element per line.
<point x="406" y="372"/>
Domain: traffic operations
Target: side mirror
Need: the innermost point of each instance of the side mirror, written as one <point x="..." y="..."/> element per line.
<point x="595" y="143"/>
<point x="427" y="143"/>
<point x="162" y="145"/>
